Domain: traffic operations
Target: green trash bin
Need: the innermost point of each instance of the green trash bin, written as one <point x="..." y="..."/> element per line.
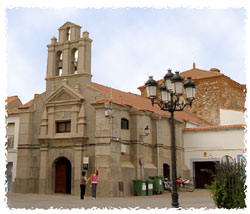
<point x="149" y="187"/>
<point x="140" y="187"/>
<point x="157" y="184"/>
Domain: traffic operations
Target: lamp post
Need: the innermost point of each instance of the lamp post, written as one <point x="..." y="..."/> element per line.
<point x="171" y="100"/>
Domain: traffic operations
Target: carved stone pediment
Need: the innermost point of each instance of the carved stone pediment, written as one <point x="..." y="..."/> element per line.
<point x="64" y="94"/>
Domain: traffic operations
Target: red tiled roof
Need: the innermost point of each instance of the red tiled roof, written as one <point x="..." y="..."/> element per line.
<point x="27" y="105"/>
<point x="196" y="74"/>
<point x="30" y="103"/>
<point x="13" y="111"/>
<point x="200" y="74"/>
<point x="237" y="126"/>
<point x="11" y="99"/>
<point x="133" y="100"/>
<point x="140" y="103"/>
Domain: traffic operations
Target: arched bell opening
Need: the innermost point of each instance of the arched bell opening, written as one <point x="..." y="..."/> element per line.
<point x="68" y="33"/>
<point x="59" y="63"/>
<point x="74" y="59"/>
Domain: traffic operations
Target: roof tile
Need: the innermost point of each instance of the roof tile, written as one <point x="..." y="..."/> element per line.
<point x="141" y="103"/>
<point x="13" y="111"/>
<point x="237" y="126"/>
<point x="200" y="74"/>
<point x="11" y="99"/>
<point x="27" y="105"/>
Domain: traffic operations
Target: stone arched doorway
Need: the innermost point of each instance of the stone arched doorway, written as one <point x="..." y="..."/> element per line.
<point x="63" y="176"/>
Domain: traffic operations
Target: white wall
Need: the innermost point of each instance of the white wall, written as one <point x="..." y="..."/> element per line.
<point x="230" y="117"/>
<point x="12" y="153"/>
<point x="192" y="125"/>
<point x="216" y="143"/>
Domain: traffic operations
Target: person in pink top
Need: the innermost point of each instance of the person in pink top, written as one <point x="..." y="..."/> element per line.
<point x="94" y="183"/>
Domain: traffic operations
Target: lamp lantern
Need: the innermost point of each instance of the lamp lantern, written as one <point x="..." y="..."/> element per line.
<point x="168" y="80"/>
<point x="151" y="88"/>
<point x="165" y="94"/>
<point x="189" y="86"/>
<point x="177" y="81"/>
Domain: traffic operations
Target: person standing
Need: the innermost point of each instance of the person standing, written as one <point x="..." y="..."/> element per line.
<point x="94" y="183"/>
<point x="83" y="184"/>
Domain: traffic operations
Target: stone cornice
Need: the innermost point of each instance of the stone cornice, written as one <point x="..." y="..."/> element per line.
<point x="69" y="75"/>
<point x="62" y="138"/>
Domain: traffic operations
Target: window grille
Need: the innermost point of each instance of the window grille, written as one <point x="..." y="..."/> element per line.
<point x="10" y="141"/>
<point x="124" y="124"/>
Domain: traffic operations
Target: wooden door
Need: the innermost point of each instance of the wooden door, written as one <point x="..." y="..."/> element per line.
<point x="61" y="176"/>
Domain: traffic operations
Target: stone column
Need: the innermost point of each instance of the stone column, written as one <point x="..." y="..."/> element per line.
<point x="136" y="144"/>
<point x="77" y="168"/>
<point x="51" y="123"/>
<point x="81" y="121"/>
<point x="43" y="179"/>
<point x="81" y="56"/>
<point x="115" y="160"/>
<point x="155" y="144"/>
<point x="51" y="61"/>
<point x="66" y="59"/>
<point x="74" y="112"/>
<point x="44" y="124"/>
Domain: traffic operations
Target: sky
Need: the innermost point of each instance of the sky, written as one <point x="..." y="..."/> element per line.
<point x="129" y="44"/>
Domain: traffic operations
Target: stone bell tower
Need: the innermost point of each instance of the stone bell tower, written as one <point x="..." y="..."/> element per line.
<point x="65" y="106"/>
<point x="69" y="58"/>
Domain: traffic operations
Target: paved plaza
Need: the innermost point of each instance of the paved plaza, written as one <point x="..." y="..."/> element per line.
<point x="197" y="199"/>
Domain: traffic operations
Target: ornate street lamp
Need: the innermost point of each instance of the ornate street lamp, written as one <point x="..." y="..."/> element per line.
<point x="171" y="100"/>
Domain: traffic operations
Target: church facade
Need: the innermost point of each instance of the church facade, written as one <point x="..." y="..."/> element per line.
<point x="78" y="125"/>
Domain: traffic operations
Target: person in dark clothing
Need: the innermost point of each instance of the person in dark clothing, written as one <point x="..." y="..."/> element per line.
<point x="83" y="183"/>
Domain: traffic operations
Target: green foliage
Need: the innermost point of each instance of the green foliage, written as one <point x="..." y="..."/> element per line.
<point x="228" y="188"/>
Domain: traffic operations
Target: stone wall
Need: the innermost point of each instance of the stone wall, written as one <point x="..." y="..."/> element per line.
<point x="212" y="94"/>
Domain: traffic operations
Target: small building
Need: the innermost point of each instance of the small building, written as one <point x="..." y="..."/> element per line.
<point x="12" y="132"/>
<point x="204" y="146"/>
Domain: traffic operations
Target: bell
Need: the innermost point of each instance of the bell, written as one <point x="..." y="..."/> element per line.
<point x="59" y="64"/>
<point x="75" y="63"/>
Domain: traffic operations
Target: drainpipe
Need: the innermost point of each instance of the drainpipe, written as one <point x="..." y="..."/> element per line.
<point x="181" y="151"/>
<point x="157" y="147"/>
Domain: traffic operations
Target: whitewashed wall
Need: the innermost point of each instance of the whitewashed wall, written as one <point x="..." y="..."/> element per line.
<point x="216" y="143"/>
<point x="230" y="117"/>
<point x="12" y="154"/>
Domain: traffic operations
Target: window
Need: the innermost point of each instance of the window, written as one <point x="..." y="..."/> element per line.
<point x="10" y="135"/>
<point x="63" y="126"/>
<point x="10" y="141"/>
<point x="124" y="124"/>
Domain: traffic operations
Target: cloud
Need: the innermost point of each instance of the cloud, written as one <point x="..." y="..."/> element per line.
<point x="128" y="44"/>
